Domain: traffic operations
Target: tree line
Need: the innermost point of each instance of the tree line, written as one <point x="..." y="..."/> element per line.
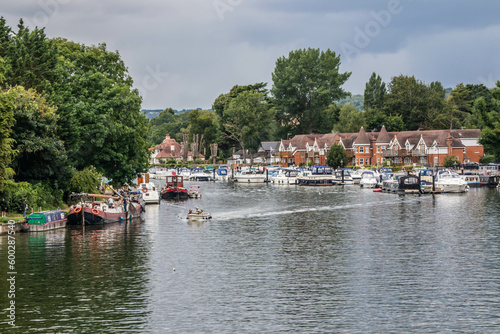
<point x="69" y="112"/>
<point x="68" y="115"/>
<point x="307" y="97"/>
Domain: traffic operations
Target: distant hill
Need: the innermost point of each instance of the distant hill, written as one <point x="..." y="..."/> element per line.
<point x="357" y="100"/>
<point x="152" y="113"/>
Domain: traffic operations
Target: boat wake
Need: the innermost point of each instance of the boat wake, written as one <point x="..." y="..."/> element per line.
<point x="251" y="212"/>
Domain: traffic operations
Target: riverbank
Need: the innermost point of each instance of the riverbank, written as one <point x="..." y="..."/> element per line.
<point x="16" y="224"/>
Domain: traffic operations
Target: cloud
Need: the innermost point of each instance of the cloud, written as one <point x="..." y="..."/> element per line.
<point x="202" y="50"/>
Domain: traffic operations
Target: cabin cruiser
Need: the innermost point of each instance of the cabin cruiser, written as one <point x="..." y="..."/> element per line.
<point x="343" y="176"/>
<point x="251" y="176"/>
<point x="285" y="177"/>
<point x="368" y="180"/>
<point x="199" y="174"/>
<point x="221" y="174"/>
<point x="317" y="176"/>
<point x="149" y="193"/>
<point x="449" y="181"/>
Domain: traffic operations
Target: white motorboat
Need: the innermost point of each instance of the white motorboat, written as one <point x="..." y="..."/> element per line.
<point x="449" y="181"/>
<point x="317" y="176"/>
<point x="149" y="193"/>
<point x="198" y="215"/>
<point x="338" y="178"/>
<point x="194" y="191"/>
<point x="356" y="175"/>
<point x="368" y="180"/>
<point x="251" y="176"/>
<point x="285" y="177"/>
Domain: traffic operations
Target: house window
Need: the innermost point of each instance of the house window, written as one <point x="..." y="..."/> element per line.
<point x="383" y="148"/>
<point x="361" y="149"/>
<point x="436" y="161"/>
<point x="361" y="161"/>
<point x="378" y="149"/>
<point x="316" y="160"/>
<point x="378" y="161"/>
<point x="407" y="161"/>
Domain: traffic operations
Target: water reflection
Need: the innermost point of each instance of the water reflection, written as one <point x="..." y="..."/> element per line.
<point x="290" y="259"/>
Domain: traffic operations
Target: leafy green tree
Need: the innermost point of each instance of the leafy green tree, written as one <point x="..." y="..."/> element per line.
<point x="375" y="91"/>
<point x="204" y="122"/>
<point x="6" y="123"/>
<point x="32" y="60"/>
<point x="167" y="122"/>
<point x="350" y="119"/>
<point x="490" y="139"/>
<point x="330" y="117"/>
<point x="100" y="117"/>
<point x="413" y="100"/>
<point x="336" y="156"/>
<point x="247" y="119"/>
<point x="85" y="181"/>
<point x="450" y="161"/>
<point x="221" y="103"/>
<point x="304" y="84"/>
<point x="40" y="152"/>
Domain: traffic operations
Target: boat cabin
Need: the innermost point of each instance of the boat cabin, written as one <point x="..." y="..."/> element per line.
<point x="174" y="181"/>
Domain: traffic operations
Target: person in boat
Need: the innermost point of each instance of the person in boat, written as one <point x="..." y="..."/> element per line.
<point x="125" y="204"/>
<point x="110" y="202"/>
<point x="190" y="211"/>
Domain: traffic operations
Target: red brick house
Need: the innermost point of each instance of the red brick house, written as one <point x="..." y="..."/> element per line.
<point x="169" y="149"/>
<point x="428" y="147"/>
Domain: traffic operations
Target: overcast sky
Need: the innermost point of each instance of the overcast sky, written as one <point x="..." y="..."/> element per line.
<point x="185" y="53"/>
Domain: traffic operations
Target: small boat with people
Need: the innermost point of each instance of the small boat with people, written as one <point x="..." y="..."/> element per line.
<point x="46" y="220"/>
<point x="198" y="214"/>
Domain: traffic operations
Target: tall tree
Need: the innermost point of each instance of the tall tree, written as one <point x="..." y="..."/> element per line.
<point x="167" y="122"/>
<point x="222" y="102"/>
<point x="336" y="156"/>
<point x="204" y="122"/>
<point x="375" y="92"/>
<point x="247" y="119"/>
<point x="304" y="84"/>
<point x="101" y="121"/>
<point x="32" y="61"/>
<point x="350" y="119"/>
<point x="41" y="155"/>
<point x="6" y="123"/>
<point x="413" y="101"/>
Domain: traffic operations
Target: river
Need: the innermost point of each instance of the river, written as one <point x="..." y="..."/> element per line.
<point x="273" y="259"/>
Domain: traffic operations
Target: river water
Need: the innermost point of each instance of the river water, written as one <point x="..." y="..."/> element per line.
<point x="273" y="259"/>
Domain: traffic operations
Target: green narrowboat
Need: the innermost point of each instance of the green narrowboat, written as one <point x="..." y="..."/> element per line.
<point x="46" y="220"/>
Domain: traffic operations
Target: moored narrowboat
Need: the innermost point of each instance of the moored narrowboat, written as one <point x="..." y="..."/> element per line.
<point x="46" y="220"/>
